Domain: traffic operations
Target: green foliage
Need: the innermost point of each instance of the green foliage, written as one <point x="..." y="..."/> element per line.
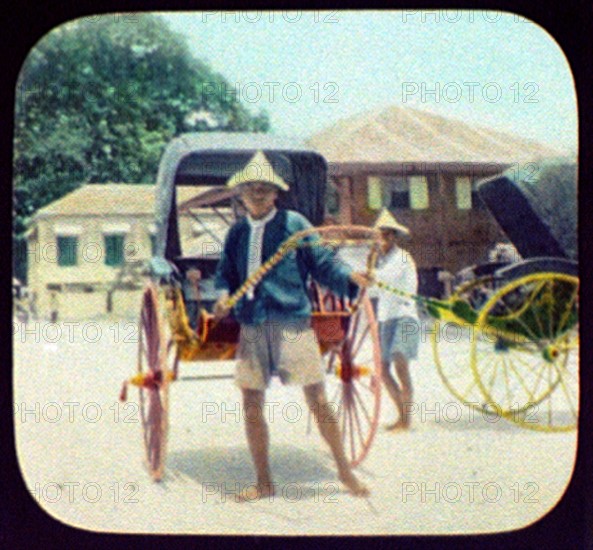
<point x="99" y="98"/>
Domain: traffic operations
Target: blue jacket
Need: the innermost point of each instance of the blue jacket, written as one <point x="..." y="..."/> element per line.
<point x="282" y="294"/>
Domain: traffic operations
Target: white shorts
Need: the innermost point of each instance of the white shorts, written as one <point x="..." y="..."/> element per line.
<point x="288" y="349"/>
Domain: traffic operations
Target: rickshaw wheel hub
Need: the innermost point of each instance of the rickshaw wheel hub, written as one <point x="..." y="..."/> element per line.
<point x="356" y="371"/>
<point x="551" y="353"/>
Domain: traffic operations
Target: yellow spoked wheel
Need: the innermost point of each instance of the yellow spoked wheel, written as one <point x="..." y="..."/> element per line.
<point x="452" y="341"/>
<point x="525" y="353"/>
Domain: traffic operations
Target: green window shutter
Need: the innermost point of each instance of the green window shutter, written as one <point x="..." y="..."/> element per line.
<point x="418" y="192"/>
<point x="375" y="193"/>
<point x="152" y="245"/>
<point x="114" y="250"/>
<point x="67" y="251"/>
<point x="463" y="192"/>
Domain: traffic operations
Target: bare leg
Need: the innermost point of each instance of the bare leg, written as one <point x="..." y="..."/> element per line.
<point x="328" y="427"/>
<point x="400" y="396"/>
<point x="403" y="373"/>
<point x="258" y="439"/>
<point x="394" y="392"/>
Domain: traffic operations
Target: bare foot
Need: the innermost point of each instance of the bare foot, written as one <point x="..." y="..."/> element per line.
<point x="353" y="486"/>
<point x="400" y="425"/>
<point x="253" y="492"/>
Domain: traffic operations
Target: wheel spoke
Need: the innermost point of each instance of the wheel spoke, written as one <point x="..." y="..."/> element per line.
<point x="153" y="417"/>
<point x="362" y="405"/>
<point x="357" y="418"/>
<point x="341" y="403"/>
<point x="468" y="389"/>
<point x="143" y="417"/>
<point x="365" y="385"/>
<point x="333" y="399"/>
<point x="525" y="363"/>
<point x="550" y="304"/>
<point x="539" y="379"/>
<point x="358" y="345"/>
<point x="539" y="325"/>
<point x="330" y="362"/>
<point x="344" y="414"/>
<point x="563" y="371"/>
<point x="538" y="375"/>
<point x="493" y="377"/>
<point x="568" y="398"/>
<point x="521" y="381"/>
<point x="566" y="315"/>
<point x="525" y="347"/>
<point x="351" y="425"/>
<point x="354" y="326"/>
<point x="516" y="317"/>
<point x="507" y="384"/>
<point x="550" y="398"/>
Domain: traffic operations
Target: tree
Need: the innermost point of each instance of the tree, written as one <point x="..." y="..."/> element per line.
<point x="99" y="98"/>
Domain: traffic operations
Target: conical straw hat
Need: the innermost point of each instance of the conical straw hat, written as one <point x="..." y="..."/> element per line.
<point x="386" y="220"/>
<point x="258" y="168"/>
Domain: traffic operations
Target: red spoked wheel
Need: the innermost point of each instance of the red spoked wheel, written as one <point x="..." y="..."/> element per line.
<point x="354" y="381"/>
<point x="156" y="354"/>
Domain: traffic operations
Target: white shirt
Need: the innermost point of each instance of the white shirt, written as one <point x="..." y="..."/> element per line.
<point x="256" y="241"/>
<point x="398" y="270"/>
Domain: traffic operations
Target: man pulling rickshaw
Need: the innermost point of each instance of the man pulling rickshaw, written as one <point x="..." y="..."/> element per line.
<point x="278" y="304"/>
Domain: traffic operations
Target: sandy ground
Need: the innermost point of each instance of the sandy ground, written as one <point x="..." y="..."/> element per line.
<point x="81" y="453"/>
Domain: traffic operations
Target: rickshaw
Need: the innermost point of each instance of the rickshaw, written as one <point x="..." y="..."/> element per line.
<point x="517" y="356"/>
<point x="171" y="332"/>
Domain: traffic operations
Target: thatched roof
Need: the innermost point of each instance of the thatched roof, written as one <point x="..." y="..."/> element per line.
<point x="405" y="134"/>
<point x="95" y="199"/>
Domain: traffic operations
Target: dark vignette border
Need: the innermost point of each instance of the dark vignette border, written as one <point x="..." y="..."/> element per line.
<point x="570" y="524"/>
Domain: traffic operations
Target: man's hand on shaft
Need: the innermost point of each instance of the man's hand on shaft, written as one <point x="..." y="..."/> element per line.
<point x="361" y="279"/>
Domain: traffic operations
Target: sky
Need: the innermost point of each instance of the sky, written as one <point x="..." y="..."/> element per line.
<point x="309" y="69"/>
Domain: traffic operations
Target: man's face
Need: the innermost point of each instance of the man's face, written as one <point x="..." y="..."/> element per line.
<point x="259" y="198"/>
<point x="388" y="240"/>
